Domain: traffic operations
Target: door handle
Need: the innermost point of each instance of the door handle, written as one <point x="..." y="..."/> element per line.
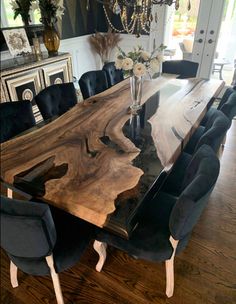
<point x="199" y="40"/>
<point x="210" y="41"/>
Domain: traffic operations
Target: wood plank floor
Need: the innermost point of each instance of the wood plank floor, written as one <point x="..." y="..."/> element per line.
<point x="205" y="272"/>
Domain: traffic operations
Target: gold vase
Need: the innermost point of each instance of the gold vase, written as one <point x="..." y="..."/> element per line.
<point x="51" y="40"/>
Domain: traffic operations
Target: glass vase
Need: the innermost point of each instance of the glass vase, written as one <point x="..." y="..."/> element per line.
<point x="51" y="40"/>
<point x="136" y="84"/>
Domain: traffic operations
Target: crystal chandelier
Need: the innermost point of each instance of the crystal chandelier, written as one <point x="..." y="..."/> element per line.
<point x="135" y="15"/>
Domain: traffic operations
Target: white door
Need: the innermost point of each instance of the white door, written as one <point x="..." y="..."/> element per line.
<point x="206" y="35"/>
<point x="195" y="38"/>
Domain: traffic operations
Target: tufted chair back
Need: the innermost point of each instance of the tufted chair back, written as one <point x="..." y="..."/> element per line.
<point x="200" y="178"/>
<point x="114" y="76"/>
<point x="92" y="83"/>
<point x="56" y="99"/>
<point x="27" y="228"/>
<point x="225" y="97"/>
<point x="15" y="117"/>
<point x="229" y="107"/>
<point x="214" y="132"/>
<point x="183" y="68"/>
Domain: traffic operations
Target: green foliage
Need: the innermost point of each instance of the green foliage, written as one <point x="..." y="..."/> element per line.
<point x="22" y="8"/>
<point x="51" y="10"/>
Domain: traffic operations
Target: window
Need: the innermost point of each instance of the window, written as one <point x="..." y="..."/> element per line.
<point x="7" y="16"/>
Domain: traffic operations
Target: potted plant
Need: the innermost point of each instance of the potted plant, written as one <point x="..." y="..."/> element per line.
<point x="103" y="44"/>
<point x="51" y="11"/>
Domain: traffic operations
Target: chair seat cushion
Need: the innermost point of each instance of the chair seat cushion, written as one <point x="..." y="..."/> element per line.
<point x="150" y="240"/>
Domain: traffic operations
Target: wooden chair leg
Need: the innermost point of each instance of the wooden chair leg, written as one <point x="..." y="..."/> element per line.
<point x="9" y="193"/>
<point x="55" y="279"/>
<point x="170" y="270"/>
<point x="13" y="275"/>
<point x="100" y="248"/>
<point x="169" y="277"/>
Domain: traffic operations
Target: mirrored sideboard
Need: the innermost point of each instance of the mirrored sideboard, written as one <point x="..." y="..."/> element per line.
<point x="24" y="77"/>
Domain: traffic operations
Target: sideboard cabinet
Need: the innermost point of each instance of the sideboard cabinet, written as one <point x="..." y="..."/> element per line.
<point x="24" y="77"/>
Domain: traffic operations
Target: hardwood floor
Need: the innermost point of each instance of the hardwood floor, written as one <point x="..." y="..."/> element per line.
<point x="204" y="273"/>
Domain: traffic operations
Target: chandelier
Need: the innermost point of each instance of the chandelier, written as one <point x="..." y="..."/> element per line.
<point x="135" y="15"/>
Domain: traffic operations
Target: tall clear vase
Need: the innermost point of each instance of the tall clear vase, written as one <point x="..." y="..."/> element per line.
<point x="136" y="85"/>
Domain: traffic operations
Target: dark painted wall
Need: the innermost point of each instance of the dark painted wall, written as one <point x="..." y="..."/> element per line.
<point x="80" y="19"/>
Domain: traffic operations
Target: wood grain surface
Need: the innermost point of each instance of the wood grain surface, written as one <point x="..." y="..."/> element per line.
<point x="204" y="271"/>
<point x="74" y="170"/>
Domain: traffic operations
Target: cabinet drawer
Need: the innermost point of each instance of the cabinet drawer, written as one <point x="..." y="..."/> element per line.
<point x="56" y="73"/>
<point x="24" y="85"/>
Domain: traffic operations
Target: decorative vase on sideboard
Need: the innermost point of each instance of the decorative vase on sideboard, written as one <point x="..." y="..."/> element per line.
<point x="51" y="40"/>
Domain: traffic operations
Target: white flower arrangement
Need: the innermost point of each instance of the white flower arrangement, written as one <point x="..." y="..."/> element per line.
<point x="51" y="11"/>
<point x="139" y="62"/>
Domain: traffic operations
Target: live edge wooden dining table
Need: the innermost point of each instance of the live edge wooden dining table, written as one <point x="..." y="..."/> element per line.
<point x="103" y="163"/>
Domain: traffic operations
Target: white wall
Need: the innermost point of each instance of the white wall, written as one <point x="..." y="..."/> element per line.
<point x="83" y="58"/>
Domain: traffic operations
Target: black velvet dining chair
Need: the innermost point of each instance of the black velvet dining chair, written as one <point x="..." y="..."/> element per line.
<point x="15" y="117"/>
<point x="223" y="100"/>
<point x="211" y="134"/>
<point x="183" y="68"/>
<point x="114" y="75"/>
<point x="92" y="83"/>
<point x="229" y="107"/>
<point x="56" y="99"/>
<point x="41" y="241"/>
<point x="166" y="223"/>
<point x="225" y="96"/>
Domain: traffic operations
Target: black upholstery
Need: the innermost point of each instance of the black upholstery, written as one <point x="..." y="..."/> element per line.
<point x="92" y="83"/>
<point x="173" y="183"/>
<point x="223" y="100"/>
<point x="225" y="97"/>
<point x="169" y="215"/>
<point x="211" y="134"/>
<point x="30" y="232"/>
<point x="15" y="117"/>
<point x="229" y="107"/>
<point x="56" y="99"/>
<point x="114" y="76"/>
<point x="183" y="68"/>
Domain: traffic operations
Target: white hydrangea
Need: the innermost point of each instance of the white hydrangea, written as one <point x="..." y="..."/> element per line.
<point x="127" y="64"/>
<point x="139" y="69"/>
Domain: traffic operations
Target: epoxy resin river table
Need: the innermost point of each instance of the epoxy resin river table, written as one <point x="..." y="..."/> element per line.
<point x="100" y="162"/>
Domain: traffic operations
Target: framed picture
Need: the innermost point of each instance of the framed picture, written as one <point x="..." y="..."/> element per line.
<point x="17" y="41"/>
